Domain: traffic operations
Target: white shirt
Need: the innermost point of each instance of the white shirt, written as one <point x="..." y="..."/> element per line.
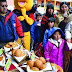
<point x="55" y="41"/>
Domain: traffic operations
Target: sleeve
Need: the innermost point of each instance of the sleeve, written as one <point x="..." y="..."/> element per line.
<point x="66" y="46"/>
<point x="44" y="20"/>
<point x="45" y="40"/>
<point x="19" y="28"/>
<point x="32" y="16"/>
<point x="68" y="30"/>
<point x="29" y="19"/>
<point x="42" y="31"/>
<point x="43" y="27"/>
<point x="32" y="30"/>
<point x="46" y="52"/>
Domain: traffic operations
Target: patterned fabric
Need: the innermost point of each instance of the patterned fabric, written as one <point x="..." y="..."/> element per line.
<point x="46" y="17"/>
<point x="39" y="51"/>
<point x="44" y="24"/>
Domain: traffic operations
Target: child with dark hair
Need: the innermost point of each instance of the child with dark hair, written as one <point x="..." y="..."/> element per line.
<point x="49" y="31"/>
<point x="55" y="46"/>
<point x="35" y="28"/>
<point x="49" y="13"/>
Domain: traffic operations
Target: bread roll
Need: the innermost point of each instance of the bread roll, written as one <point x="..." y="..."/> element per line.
<point x="19" y="53"/>
<point x="1" y="58"/>
<point x="10" y="43"/>
<point x="34" y="69"/>
<point x="13" y="52"/>
<point x="30" y="63"/>
<point x="38" y="63"/>
<point x="42" y="59"/>
<point x="7" y="46"/>
<point x="43" y="66"/>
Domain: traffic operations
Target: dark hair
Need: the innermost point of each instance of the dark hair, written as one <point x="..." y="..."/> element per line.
<point x="38" y="14"/>
<point x="63" y="3"/>
<point x="49" y="6"/>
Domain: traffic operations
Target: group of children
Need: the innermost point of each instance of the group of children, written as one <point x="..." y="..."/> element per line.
<point x="54" y="42"/>
<point x="42" y="29"/>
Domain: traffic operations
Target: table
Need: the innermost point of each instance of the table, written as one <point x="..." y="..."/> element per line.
<point x="14" y="69"/>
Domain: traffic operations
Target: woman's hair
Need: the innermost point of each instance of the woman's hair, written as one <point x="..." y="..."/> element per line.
<point x="49" y="6"/>
<point x="63" y="3"/>
<point x="38" y="14"/>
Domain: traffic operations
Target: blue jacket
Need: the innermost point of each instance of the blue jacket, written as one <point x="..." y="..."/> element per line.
<point x="35" y="32"/>
<point x="47" y="34"/>
<point x="8" y="31"/>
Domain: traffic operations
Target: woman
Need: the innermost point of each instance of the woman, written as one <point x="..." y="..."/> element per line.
<point x="63" y="14"/>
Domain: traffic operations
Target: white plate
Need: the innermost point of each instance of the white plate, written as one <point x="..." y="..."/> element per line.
<point x="8" y="49"/>
<point x="19" y="59"/>
<point x="48" y="67"/>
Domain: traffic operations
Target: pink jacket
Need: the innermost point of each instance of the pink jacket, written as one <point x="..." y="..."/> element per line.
<point x="54" y="54"/>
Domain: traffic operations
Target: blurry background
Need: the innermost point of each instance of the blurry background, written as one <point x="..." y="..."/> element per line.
<point x="42" y="4"/>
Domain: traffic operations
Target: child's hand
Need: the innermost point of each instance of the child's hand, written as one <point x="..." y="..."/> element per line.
<point x="69" y="40"/>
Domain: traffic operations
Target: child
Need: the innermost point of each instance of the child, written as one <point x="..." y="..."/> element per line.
<point x="53" y="50"/>
<point x="35" y="29"/>
<point x="49" y="31"/>
<point x="9" y="25"/>
<point x="49" y="13"/>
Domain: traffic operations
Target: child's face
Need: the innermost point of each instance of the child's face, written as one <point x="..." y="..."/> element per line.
<point x="57" y="35"/>
<point x="50" y="11"/>
<point x="39" y="18"/>
<point x="51" y="24"/>
<point x="3" y="7"/>
<point x="64" y="8"/>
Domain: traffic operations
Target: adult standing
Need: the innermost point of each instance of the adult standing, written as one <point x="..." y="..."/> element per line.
<point x="10" y="27"/>
<point x="49" y="13"/>
<point x="68" y="37"/>
<point x="62" y="17"/>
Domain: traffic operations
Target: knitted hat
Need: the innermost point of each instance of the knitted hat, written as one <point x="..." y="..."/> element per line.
<point x="51" y="19"/>
<point x="50" y="6"/>
<point x="63" y="3"/>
